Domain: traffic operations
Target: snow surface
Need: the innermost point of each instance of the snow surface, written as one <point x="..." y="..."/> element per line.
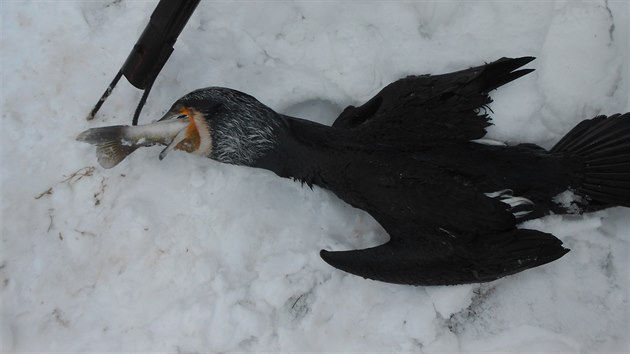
<point x="189" y="255"/>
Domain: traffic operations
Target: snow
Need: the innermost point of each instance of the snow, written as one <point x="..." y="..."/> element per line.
<point x="190" y="255"/>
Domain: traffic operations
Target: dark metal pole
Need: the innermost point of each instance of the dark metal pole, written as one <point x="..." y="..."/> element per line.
<point x="106" y="94"/>
<point x="152" y="49"/>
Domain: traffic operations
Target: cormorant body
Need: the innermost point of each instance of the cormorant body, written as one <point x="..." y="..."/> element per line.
<point x="411" y="157"/>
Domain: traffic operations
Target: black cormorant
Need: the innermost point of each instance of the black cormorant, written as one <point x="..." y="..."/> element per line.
<point x="413" y="159"/>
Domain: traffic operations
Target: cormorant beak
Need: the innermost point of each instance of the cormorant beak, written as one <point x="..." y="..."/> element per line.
<point x="172" y="115"/>
<point x="188" y="138"/>
<point x="181" y="135"/>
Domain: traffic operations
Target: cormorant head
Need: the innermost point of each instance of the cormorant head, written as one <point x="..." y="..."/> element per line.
<point x="226" y="125"/>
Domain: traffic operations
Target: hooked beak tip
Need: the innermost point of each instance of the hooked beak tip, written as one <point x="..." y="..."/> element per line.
<point x="163" y="153"/>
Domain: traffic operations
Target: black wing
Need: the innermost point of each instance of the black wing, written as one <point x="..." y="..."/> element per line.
<point x="405" y="260"/>
<point x="433" y="109"/>
<point x="441" y="231"/>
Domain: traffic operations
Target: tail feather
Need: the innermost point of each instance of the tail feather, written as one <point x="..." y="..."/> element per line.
<point x="592" y="131"/>
<point x="603" y="145"/>
<point x="615" y="162"/>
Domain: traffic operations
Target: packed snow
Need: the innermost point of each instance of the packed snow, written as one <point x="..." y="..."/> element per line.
<point x="190" y="255"/>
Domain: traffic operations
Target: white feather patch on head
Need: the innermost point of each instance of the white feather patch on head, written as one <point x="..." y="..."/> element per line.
<point x="240" y="128"/>
<point x="247" y="132"/>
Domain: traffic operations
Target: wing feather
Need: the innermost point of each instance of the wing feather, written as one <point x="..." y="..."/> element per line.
<point x="432" y="110"/>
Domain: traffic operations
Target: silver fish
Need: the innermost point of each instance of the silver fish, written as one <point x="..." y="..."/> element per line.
<point x="176" y="130"/>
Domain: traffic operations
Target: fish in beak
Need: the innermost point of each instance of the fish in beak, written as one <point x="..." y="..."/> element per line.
<point x="177" y="130"/>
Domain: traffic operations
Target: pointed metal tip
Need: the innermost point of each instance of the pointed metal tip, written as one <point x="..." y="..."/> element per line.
<point x="106" y="94"/>
<point x="90" y="116"/>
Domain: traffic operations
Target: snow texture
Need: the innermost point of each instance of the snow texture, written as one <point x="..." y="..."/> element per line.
<point x="191" y="255"/>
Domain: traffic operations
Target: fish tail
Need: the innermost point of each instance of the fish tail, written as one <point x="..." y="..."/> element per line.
<point x="602" y="144"/>
<point x="111" y="147"/>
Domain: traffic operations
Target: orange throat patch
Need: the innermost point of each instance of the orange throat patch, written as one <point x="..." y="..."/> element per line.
<point x="192" y="140"/>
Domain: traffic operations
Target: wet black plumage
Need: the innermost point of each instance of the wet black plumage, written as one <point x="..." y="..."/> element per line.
<point x="409" y="157"/>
